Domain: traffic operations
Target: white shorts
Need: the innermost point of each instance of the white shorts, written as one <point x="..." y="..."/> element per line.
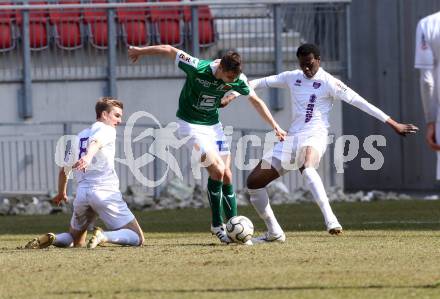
<point x="107" y="204"/>
<point x="204" y="138"/>
<point x="290" y="154"/>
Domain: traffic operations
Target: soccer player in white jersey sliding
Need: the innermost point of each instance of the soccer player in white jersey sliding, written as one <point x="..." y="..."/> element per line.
<point x="98" y="188"/>
<point x="203" y="93"/>
<point x="312" y="91"/>
<point x="427" y="60"/>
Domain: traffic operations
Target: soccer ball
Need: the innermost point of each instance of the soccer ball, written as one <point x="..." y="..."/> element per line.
<point x="239" y="229"/>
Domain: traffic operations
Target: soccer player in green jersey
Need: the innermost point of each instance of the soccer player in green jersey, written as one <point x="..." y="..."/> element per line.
<point x="206" y="84"/>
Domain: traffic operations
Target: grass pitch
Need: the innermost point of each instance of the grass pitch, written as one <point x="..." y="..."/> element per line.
<point x="388" y="250"/>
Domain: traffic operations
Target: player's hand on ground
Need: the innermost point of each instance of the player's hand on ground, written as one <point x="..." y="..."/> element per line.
<point x="134" y="53"/>
<point x="280" y="133"/>
<point x="59" y="198"/>
<point x="405" y="129"/>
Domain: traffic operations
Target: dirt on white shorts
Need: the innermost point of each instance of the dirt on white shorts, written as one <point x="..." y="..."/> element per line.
<point x="204" y="138"/>
<point x="289" y="154"/>
<point x="106" y="204"/>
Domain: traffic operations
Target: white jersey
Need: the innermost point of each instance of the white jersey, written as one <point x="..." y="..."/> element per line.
<point x="312" y="99"/>
<point x="101" y="172"/>
<point x="427" y="58"/>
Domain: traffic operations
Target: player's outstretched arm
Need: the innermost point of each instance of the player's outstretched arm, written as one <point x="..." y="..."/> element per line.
<point x="264" y="112"/>
<point x="85" y="161"/>
<point x="62" y="187"/>
<point x="402" y="129"/>
<point x="346" y="94"/>
<point x="135" y="53"/>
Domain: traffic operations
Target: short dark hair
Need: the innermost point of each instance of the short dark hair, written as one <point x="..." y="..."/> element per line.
<point x="231" y="62"/>
<point x="106" y="104"/>
<point x="307" y="49"/>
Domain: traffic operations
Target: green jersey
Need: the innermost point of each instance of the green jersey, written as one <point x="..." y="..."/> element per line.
<point x="201" y="95"/>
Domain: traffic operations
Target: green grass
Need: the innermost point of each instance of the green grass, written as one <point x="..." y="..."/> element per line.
<point x="388" y="250"/>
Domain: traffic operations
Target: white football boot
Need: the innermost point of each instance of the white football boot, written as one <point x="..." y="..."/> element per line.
<point x="41" y="242"/>
<point x="334" y="228"/>
<point x="220" y="232"/>
<point x="270" y="237"/>
<point x="96" y="239"/>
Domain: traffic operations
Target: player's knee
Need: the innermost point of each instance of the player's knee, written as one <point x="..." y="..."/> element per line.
<point x="253" y="182"/>
<point x="227" y="177"/>
<point x="218" y="171"/>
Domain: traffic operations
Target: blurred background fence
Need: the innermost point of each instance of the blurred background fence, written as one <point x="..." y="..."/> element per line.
<point x="28" y="164"/>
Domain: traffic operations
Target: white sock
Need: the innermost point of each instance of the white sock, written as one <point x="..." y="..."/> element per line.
<point x="63" y="240"/>
<point x="315" y="185"/>
<point x="260" y="201"/>
<point x="122" y="237"/>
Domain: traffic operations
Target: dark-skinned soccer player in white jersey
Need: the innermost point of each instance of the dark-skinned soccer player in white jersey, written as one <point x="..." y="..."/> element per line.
<point x="312" y="92"/>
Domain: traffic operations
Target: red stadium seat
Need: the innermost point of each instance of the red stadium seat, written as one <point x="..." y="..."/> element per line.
<point x="38" y="26"/>
<point x="67" y="24"/>
<point x="135" y="25"/>
<point x="166" y="23"/>
<point x="207" y="35"/>
<point x="96" y="21"/>
<point x="7" y="36"/>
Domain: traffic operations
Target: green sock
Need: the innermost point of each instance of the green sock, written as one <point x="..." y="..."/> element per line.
<point x="229" y="201"/>
<point x="215" y="200"/>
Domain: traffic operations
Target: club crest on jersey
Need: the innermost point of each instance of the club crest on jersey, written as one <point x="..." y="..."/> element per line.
<point x="298" y="82"/>
<point x="316" y="85"/>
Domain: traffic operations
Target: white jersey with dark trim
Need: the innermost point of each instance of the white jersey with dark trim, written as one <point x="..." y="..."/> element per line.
<point x="101" y="172"/>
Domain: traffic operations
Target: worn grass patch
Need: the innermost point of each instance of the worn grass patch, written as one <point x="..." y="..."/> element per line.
<point x="388" y="250"/>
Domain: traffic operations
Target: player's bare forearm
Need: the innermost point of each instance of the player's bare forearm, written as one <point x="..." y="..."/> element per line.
<point x="264" y="112"/>
<point x="62" y="181"/>
<point x="85" y="161"/>
<point x="134" y="53"/>
<point x="62" y="187"/>
<point x="402" y="129"/>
